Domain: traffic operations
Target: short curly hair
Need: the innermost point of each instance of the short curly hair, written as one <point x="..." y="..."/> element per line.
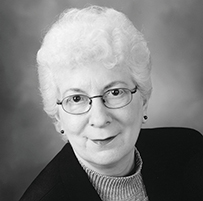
<point x="91" y="34"/>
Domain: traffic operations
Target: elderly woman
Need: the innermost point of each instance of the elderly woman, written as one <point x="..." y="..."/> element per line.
<point x="94" y="73"/>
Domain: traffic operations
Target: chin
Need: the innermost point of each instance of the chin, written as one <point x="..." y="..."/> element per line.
<point x="107" y="157"/>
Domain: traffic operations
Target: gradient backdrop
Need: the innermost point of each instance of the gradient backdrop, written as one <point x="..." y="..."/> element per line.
<point x="174" y="29"/>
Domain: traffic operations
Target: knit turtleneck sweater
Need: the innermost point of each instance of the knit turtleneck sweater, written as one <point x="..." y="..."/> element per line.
<point x="128" y="188"/>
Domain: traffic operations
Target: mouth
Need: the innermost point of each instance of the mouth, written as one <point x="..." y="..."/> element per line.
<point x="104" y="141"/>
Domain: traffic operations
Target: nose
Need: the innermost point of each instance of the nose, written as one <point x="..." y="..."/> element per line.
<point x="99" y="115"/>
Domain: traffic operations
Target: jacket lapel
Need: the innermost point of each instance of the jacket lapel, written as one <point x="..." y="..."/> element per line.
<point x="74" y="178"/>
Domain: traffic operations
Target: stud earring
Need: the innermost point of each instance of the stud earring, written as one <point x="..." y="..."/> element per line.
<point x="145" y="117"/>
<point x="62" y="132"/>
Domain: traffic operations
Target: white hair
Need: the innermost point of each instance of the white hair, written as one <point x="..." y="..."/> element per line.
<point x="91" y="34"/>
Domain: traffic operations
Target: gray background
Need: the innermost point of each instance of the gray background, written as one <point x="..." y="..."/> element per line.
<point x="28" y="139"/>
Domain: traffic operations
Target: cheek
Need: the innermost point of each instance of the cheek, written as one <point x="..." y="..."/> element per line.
<point x="132" y="116"/>
<point x="72" y="124"/>
<point x="132" y="122"/>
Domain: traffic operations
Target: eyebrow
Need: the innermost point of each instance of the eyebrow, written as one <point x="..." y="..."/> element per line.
<point x="110" y="85"/>
<point x="75" y="90"/>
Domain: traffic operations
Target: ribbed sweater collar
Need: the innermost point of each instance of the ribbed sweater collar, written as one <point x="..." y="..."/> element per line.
<point x="120" y="188"/>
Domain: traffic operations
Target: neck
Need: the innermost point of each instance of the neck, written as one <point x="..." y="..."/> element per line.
<point x="129" y="187"/>
<point x="117" y="169"/>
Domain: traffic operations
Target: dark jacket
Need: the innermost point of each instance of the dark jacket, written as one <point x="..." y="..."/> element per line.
<point x="172" y="170"/>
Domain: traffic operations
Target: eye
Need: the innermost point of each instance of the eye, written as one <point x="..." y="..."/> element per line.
<point x="116" y="92"/>
<point x="76" y="99"/>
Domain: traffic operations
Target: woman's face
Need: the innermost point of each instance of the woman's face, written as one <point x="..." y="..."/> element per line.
<point x="102" y="138"/>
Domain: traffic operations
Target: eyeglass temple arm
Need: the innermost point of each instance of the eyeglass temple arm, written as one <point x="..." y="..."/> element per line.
<point x="134" y="90"/>
<point x="58" y="102"/>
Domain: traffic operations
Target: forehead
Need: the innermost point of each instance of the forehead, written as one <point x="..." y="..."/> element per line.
<point x="94" y="78"/>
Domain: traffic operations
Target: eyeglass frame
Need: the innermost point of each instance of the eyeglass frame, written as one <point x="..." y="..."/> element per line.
<point x="133" y="91"/>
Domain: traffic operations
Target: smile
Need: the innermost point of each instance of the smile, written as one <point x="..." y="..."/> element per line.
<point x="104" y="141"/>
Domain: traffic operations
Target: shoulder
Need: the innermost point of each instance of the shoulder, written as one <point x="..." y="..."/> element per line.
<point x="171" y="131"/>
<point x="47" y="185"/>
<point x="177" y="143"/>
<point x="59" y="180"/>
<point x="165" y="137"/>
<point x="172" y="163"/>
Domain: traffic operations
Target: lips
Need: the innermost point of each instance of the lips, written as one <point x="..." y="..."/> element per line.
<point x="103" y="141"/>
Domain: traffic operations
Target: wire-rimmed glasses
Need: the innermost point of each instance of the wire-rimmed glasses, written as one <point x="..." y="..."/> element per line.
<point x="113" y="99"/>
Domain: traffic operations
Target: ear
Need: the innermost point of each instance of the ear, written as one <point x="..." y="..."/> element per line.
<point x="57" y="126"/>
<point x="145" y="106"/>
<point x="57" y="123"/>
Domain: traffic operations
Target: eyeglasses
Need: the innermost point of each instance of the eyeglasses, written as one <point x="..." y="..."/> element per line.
<point x="113" y="99"/>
